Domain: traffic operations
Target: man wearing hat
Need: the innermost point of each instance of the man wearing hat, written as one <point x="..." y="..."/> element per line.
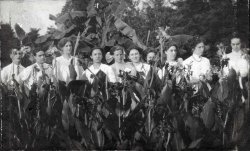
<point x="38" y="72"/>
<point x="11" y="71"/>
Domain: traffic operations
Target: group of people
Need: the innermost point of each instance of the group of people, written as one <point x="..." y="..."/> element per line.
<point x="67" y="68"/>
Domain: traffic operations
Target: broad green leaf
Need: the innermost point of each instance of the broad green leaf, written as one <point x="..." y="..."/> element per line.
<point x="208" y="114"/>
<point x="91" y="11"/>
<point x="84" y="132"/>
<point x="20" y="32"/>
<point x="195" y="143"/>
<point x="97" y="135"/>
<point x="65" y="115"/>
<point x="120" y="9"/>
<point x="166" y="94"/>
<point x="99" y="20"/>
<point x="128" y="31"/>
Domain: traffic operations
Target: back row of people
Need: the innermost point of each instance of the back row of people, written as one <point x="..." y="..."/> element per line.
<point x="66" y="67"/>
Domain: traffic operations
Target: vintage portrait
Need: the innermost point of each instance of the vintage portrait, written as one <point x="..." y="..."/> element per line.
<point x="158" y="75"/>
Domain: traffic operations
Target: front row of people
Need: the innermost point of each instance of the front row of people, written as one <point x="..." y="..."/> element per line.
<point x="66" y="67"/>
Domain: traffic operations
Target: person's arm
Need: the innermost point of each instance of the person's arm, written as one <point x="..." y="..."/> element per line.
<point x="243" y="68"/>
<point x="207" y="71"/>
<point x="25" y="74"/>
<point x="4" y="76"/>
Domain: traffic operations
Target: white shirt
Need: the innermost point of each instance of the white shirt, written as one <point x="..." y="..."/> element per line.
<point x="6" y="73"/>
<point x="116" y="68"/>
<point x="162" y="71"/>
<point x="238" y="63"/>
<point x="199" y="66"/>
<point x="104" y="68"/>
<point x="61" y="69"/>
<point x="141" y="67"/>
<point x="33" y="73"/>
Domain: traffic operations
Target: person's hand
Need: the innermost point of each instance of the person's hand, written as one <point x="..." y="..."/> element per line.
<point x="208" y="75"/>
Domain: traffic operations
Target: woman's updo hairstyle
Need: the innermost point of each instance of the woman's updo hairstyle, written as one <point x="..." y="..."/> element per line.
<point x="235" y="35"/>
<point x="193" y="42"/>
<point x="147" y="51"/>
<point x="136" y="48"/>
<point x="116" y="48"/>
<point x="63" y="42"/>
<point x="170" y="44"/>
<point x="94" y="48"/>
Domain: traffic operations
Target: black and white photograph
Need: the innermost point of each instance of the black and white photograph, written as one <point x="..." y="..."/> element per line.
<point x="163" y="75"/>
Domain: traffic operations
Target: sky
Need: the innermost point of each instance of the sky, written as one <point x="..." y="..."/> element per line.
<point x="30" y="13"/>
<point x="35" y="13"/>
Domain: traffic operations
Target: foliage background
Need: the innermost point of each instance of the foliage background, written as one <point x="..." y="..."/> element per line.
<point x="214" y="20"/>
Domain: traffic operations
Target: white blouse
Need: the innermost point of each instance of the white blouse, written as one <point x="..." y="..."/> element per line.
<point x="32" y="74"/>
<point x="238" y="63"/>
<point x="141" y="67"/>
<point x="61" y="68"/>
<point x="104" y="68"/>
<point x="6" y="73"/>
<point x="116" y="68"/>
<point x="199" y="66"/>
<point x="162" y="71"/>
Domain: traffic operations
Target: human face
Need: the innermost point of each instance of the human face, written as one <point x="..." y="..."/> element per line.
<point x="220" y="46"/>
<point x="67" y="48"/>
<point x="96" y="56"/>
<point x="171" y="53"/>
<point x="199" y="49"/>
<point x="16" y="56"/>
<point x="150" y="57"/>
<point x="118" y="56"/>
<point x="235" y="44"/>
<point x="134" y="56"/>
<point x="40" y="57"/>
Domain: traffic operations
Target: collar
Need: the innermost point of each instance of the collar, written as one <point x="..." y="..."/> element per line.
<point x="196" y="57"/>
<point x="93" y="68"/>
<point x="239" y="53"/>
<point x="45" y="66"/>
<point x="15" y="65"/>
<point x="172" y="63"/>
<point x="67" y="59"/>
<point x="138" y="65"/>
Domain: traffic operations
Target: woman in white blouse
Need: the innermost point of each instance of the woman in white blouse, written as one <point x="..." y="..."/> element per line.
<point x="136" y="66"/>
<point x="96" y="56"/>
<point x="198" y="65"/>
<point x="171" y="54"/>
<point x="66" y="67"/>
<point x="118" y="54"/>
<point x="237" y="59"/>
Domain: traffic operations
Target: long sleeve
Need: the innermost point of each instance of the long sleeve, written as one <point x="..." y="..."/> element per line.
<point x="25" y="75"/>
<point x="241" y="66"/>
<point x="238" y="62"/>
<point x="4" y="76"/>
